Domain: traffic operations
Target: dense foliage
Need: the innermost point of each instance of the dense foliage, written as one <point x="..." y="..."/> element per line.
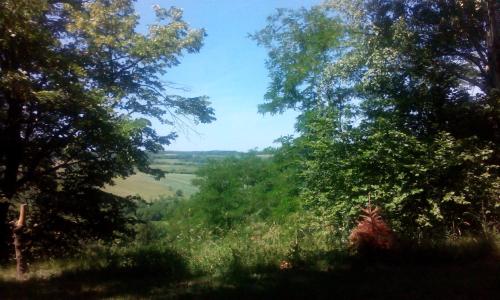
<point x="246" y="214"/>
<point x="79" y="87"/>
<point x="398" y="99"/>
<point x="244" y="190"/>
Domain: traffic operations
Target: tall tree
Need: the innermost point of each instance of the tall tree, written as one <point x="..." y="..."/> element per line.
<point x="79" y="85"/>
<point x="494" y="42"/>
<point x="409" y="108"/>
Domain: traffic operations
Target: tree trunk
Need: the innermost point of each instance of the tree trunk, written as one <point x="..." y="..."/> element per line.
<point x="20" y="243"/>
<point x="5" y="232"/>
<point x="494" y="43"/>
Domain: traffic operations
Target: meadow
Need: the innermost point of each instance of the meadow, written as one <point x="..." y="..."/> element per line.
<point x="149" y="188"/>
<point x="180" y="168"/>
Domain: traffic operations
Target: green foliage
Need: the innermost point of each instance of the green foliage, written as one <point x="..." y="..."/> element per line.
<point x="397" y="103"/>
<point x="450" y="272"/>
<point x="431" y="186"/>
<point x="300" y="43"/>
<point x="258" y="246"/>
<point x="236" y="190"/>
<point x="135" y="260"/>
<point x="79" y="86"/>
<point x="157" y="210"/>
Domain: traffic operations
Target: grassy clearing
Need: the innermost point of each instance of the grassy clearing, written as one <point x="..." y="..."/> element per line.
<point x="148" y="188"/>
<point x="466" y="270"/>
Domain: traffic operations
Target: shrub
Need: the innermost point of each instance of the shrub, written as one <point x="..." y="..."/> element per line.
<point x="372" y="233"/>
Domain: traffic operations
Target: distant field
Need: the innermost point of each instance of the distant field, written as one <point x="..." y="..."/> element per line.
<point x="148" y="188"/>
<point x="175" y="166"/>
<point x="181" y="167"/>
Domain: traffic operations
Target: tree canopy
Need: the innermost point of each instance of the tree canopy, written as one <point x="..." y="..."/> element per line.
<point x="398" y="99"/>
<point x="79" y="88"/>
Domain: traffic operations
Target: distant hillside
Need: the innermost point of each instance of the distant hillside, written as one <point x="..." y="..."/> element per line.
<point x="180" y="166"/>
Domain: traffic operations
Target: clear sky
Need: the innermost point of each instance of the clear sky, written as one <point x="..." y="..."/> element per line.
<point x="230" y="69"/>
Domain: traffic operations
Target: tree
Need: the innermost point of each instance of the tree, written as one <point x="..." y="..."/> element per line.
<point x="79" y="85"/>
<point x="235" y="190"/>
<point x="405" y="106"/>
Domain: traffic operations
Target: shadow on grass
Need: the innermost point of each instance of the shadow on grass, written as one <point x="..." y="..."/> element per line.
<point x="431" y="272"/>
<point x="133" y="274"/>
<point x="473" y="279"/>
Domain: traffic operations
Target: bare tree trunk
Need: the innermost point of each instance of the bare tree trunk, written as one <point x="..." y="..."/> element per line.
<point x="5" y="231"/>
<point x="494" y="43"/>
<point x="19" y="243"/>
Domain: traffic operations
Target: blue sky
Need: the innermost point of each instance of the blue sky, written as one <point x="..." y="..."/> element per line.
<point x="230" y="69"/>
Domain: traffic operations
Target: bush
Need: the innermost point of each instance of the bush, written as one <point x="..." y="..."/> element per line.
<point x="371" y="234"/>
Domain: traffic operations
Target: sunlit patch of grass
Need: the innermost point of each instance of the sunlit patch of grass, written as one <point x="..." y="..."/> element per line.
<point x="149" y="188"/>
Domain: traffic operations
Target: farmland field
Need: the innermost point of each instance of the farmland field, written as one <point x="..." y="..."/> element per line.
<point x="180" y="166"/>
<point x="149" y="188"/>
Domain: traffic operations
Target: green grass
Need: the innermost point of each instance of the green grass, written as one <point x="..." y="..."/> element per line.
<point x="182" y="259"/>
<point x="156" y="272"/>
<point x="148" y="188"/>
<point x="181" y="167"/>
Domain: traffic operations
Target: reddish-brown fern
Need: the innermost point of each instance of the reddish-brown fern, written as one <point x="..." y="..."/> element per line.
<point x="371" y="233"/>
